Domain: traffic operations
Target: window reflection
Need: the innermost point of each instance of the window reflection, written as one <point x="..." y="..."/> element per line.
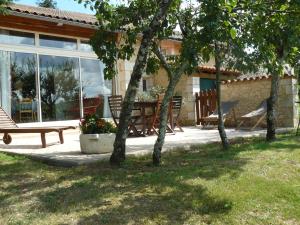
<point x="58" y="42"/>
<point x="95" y="90"/>
<point x="59" y="87"/>
<point x="85" y="46"/>
<point x="59" y="82"/>
<point x="23" y="88"/>
<point x="16" y="37"/>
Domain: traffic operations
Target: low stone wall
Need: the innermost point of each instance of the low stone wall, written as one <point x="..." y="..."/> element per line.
<point x="251" y="93"/>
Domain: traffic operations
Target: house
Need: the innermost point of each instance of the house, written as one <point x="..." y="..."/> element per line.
<point x="49" y="72"/>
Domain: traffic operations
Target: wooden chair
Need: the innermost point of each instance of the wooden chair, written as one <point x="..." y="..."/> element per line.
<point x="115" y="104"/>
<point x="176" y="109"/>
<point x="26" y="110"/>
<point x="8" y="126"/>
<point x="260" y="112"/>
<point x="155" y="119"/>
<point x="227" y="107"/>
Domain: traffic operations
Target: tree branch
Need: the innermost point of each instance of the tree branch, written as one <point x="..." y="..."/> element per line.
<point x="162" y="59"/>
<point x="181" y="25"/>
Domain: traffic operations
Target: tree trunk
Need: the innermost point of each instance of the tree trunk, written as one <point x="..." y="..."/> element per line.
<point x="118" y="154"/>
<point x="221" y="126"/>
<point x="163" y="117"/>
<point x="272" y="100"/>
<point x="271" y="111"/>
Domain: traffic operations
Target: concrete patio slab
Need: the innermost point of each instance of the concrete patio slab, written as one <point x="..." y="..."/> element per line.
<point x="69" y="154"/>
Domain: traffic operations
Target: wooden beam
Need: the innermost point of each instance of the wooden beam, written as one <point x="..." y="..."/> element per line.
<point x="35" y="25"/>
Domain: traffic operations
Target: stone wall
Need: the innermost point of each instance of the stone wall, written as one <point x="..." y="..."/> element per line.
<point x="186" y="87"/>
<point x="251" y="93"/>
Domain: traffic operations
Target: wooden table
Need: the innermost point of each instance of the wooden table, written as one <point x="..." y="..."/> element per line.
<point x="143" y="105"/>
<point x="148" y="127"/>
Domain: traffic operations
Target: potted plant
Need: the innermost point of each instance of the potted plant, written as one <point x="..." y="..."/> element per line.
<point x="97" y="135"/>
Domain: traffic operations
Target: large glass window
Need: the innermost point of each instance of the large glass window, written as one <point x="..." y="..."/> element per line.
<point x="59" y="83"/>
<point x="58" y="42"/>
<point x="95" y="90"/>
<point x="16" y="37"/>
<point x="18" y="85"/>
<point x="23" y="87"/>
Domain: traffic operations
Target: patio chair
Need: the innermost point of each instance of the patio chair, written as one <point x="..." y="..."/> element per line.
<point x="155" y="119"/>
<point x="260" y="112"/>
<point x="8" y="126"/>
<point x="176" y="109"/>
<point x="26" y="110"/>
<point x="115" y="104"/>
<point x="227" y="107"/>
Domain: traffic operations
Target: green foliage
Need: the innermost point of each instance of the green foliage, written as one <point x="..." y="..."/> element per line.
<point x="274" y="31"/>
<point x="47" y="3"/>
<point x="152" y="94"/>
<point x="3" y="4"/>
<point x="93" y="124"/>
<point x="220" y="25"/>
<point x="120" y="28"/>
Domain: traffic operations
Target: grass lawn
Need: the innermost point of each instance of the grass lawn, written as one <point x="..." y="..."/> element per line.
<point x="253" y="183"/>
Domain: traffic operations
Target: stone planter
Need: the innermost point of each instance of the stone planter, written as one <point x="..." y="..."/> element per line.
<point x="96" y="143"/>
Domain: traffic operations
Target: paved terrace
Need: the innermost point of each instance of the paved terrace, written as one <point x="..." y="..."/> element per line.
<point x="69" y="153"/>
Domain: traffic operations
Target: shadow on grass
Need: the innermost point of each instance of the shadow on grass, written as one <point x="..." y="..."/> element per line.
<point x="136" y="192"/>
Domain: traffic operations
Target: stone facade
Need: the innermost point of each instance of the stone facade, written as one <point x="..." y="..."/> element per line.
<point x="186" y="87"/>
<point x="251" y="93"/>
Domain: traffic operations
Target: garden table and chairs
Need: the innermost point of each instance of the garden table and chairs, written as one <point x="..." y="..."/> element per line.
<point x="145" y="115"/>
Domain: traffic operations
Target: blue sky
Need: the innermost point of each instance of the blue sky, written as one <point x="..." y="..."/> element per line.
<point x="69" y="5"/>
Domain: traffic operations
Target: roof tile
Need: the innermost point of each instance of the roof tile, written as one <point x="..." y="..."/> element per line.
<point x="54" y="13"/>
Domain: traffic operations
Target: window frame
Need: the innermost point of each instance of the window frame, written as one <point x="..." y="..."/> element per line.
<point x="38" y="50"/>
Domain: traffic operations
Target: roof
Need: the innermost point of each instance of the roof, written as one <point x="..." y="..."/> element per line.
<point x="54" y="14"/>
<point x="257" y="77"/>
<point x="76" y="18"/>
<point x="212" y="70"/>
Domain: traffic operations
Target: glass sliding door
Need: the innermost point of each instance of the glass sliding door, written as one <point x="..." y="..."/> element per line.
<point x="95" y="90"/>
<point x="23" y="87"/>
<point x="59" y="88"/>
<point x="18" y="87"/>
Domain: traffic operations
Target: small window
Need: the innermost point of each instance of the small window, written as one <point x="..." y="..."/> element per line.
<point x="16" y="37"/>
<point x="58" y="42"/>
<point x="85" y="46"/>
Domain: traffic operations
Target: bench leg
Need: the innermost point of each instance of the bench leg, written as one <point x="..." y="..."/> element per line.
<point x="61" y="137"/>
<point x="43" y="138"/>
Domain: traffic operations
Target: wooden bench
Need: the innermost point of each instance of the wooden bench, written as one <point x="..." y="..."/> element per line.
<point x="8" y="126"/>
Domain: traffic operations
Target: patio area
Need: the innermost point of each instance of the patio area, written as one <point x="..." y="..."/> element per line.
<point x="69" y="153"/>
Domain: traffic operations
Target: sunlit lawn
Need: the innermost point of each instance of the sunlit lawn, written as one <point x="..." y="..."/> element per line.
<point x="253" y="183"/>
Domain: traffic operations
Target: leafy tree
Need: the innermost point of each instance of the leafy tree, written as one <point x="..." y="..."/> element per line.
<point x="3" y="4"/>
<point x="176" y="66"/>
<point x="47" y="4"/>
<point x="218" y="36"/>
<point x="139" y="22"/>
<point x="274" y="33"/>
